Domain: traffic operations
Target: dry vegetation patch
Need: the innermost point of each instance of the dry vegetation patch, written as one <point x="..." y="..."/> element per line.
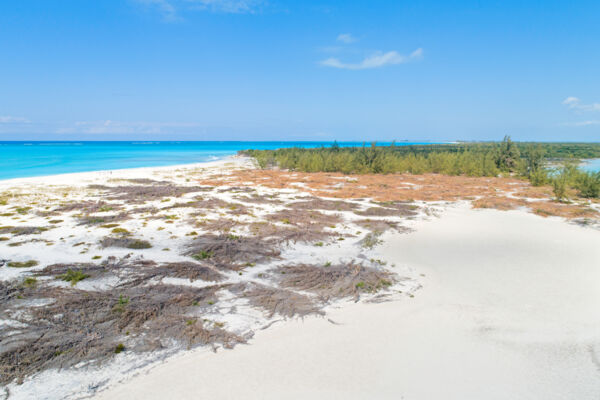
<point x="89" y="326"/>
<point x="276" y="301"/>
<point x="334" y="281"/>
<point x="232" y="252"/>
<point x="139" y="194"/>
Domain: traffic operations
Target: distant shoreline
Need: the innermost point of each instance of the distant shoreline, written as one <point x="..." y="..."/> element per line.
<point x="22" y="159"/>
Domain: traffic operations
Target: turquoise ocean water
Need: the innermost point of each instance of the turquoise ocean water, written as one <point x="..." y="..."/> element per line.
<point x="25" y="159"/>
<point x="591" y="165"/>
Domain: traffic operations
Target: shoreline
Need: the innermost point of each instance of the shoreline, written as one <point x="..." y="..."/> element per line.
<point x="98" y="174"/>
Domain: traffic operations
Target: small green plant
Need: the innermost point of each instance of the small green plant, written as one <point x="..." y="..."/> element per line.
<point x="385" y="283"/>
<point x="55" y="221"/>
<point x="370" y="240"/>
<point x="30" y="282"/>
<point x="210" y="302"/>
<point x="121" y="303"/>
<point x="190" y="322"/>
<point x="203" y="255"/>
<point x="328" y="264"/>
<point x="232" y="237"/>
<point x="360" y="285"/>
<point x="139" y="244"/>
<point x="96" y="257"/>
<point x="319" y="244"/>
<point x="120" y="347"/>
<point x="3" y="239"/>
<point x="121" y="231"/>
<point x="73" y="276"/>
<point x="105" y="209"/>
<point x="24" y="264"/>
<point x="286" y="221"/>
<point x="109" y="226"/>
<point x="22" y="210"/>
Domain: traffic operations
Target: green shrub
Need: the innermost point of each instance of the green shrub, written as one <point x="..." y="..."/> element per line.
<point x="203" y="255"/>
<point x="30" y="282"/>
<point x="24" y="264"/>
<point x="588" y="185"/>
<point x="139" y="244"/>
<point x="73" y="276"/>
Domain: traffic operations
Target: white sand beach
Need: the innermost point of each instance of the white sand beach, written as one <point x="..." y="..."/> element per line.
<point x="509" y="309"/>
<point x="322" y="297"/>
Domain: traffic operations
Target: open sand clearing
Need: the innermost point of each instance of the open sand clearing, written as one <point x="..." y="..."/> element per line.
<point x="510" y="309"/>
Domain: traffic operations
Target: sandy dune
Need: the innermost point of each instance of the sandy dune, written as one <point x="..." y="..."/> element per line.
<point x="510" y="309"/>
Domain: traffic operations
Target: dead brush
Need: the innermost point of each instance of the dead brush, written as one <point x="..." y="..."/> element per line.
<point x="259" y="199"/>
<point x="276" y="301"/>
<point x="389" y="209"/>
<point x="125" y="242"/>
<point x="378" y="225"/>
<point x="304" y="218"/>
<point x="87" y="207"/>
<point x="316" y="203"/>
<point x="138" y="194"/>
<point x="221" y="225"/>
<point x="232" y="252"/>
<point x="91" y="325"/>
<point x="334" y="281"/>
<point x="90" y="220"/>
<point x="24" y="230"/>
<point x="188" y="270"/>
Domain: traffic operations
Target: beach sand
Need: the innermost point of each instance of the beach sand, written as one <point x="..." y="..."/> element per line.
<point x="453" y="301"/>
<point x="509" y="309"/>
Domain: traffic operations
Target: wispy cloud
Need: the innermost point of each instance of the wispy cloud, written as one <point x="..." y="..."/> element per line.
<point x="583" y="123"/>
<point x="346" y="38"/>
<point x="376" y="60"/>
<point x="574" y="103"/>
<point x="227" y="6"/>
<point x="171" y="10"/>
<point x="110" y="126"/>
<point x="7" y="119"/>
<point x="163" y="7"/>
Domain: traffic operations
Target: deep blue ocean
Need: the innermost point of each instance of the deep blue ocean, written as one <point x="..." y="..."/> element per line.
<point x="24" y="159"/>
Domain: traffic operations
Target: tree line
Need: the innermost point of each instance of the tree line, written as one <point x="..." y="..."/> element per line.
<point x="541" y="163"/>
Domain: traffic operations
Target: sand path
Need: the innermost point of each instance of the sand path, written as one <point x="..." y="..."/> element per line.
<point x="510" y="309"/>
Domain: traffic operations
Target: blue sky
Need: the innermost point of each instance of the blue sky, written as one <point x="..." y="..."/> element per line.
<point x="299" y="70"/>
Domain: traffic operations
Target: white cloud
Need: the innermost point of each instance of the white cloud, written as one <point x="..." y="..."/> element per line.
<point x="226" y="6"/>
<point x="583" y="123"/>
<point x="376" y="60"/>
<point x="346" y="38"/>
<point x="171" y="9"/>
<point x="164" y="7"/>
<point x="574" y="103"/>
<point x="7" y="119"/>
